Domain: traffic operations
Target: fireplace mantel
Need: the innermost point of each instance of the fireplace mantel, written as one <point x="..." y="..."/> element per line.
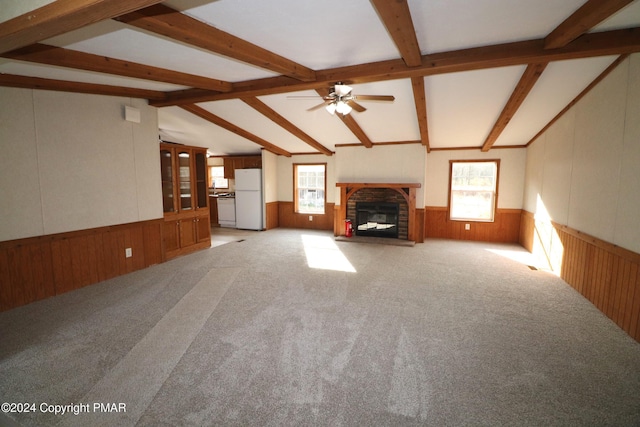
<point x="407" y="190"/>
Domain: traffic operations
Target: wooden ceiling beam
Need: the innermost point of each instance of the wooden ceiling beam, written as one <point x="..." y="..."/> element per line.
<point x="60" y="17"/>
<point x="616" y="42"/>
<point x="420" y="100"/>
<point x="355" y="128"/>
<point x="61" y="57"/>
<point x="219" y="121"/>
<point x="271" y="114"/>
<point x="396" y="16"/>
<point x="524" y="86"/>
<point x="582" y="20"/>
<point x="351" y="123"/>
<point x="161" y="19"/>
<point x="10" y="80"/>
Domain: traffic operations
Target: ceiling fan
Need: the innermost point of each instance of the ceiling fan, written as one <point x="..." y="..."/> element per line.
<point x="341" y="100"/>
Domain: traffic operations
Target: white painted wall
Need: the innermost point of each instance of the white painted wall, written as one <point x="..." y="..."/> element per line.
<point x="71" y="162"/>
<point x="270" y="173"/>
<point x="404" y="163"/>
<point x="510" y="186"/>
<point x="583" y="172"/>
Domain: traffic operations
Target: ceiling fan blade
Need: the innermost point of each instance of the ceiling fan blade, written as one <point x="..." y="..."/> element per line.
<point x="319" y="106"/>
<point x="359" y="108"/>
<point x="302" y="97"/>
<point x="374" y="97"/>
<point x="326" y="98"/>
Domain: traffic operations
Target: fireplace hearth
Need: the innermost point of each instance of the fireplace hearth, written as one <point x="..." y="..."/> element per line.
<point x="377" y="219"/>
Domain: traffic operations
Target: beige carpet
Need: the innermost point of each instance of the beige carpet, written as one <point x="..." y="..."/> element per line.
<point x="290" y="327"/>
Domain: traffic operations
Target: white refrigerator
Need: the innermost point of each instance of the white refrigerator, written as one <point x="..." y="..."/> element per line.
<point x="248" y="188"/>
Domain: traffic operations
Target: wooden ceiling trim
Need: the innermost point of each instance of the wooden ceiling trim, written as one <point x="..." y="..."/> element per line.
<point x="597" y="80"/>
<point x="52" y="55"/>
<point x="501" y="55"/>
<point x="59" y="17"/>
<point x="168" y="22"/>
<point x="420" y="100"/>
<point x="582" y="20"/>
<point x="524" y="86"/>
<point x="271" y="114"/>
<point x="396" y="16"/>
<point x="10" y="80"/>
<point x="375" y="144"/>
<point x="219" y="121"/>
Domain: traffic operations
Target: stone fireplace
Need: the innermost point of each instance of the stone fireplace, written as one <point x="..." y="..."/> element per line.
<point x="382" y="201"/>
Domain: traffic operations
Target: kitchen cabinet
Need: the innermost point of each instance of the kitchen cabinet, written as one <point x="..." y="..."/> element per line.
<point x="213" y="211"/>
<point x="240" y="162"/>
<point x="185" y="199"/>
<point x="252" y="162"/>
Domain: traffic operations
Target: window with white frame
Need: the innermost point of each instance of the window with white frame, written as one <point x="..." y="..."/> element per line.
<point x="216" y="177"/>
<point x="309" y="191"/>
<point x="474" y="189"/>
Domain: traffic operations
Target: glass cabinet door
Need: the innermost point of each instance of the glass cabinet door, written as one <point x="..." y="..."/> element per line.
<point x="184" y="171"/>
<point x="166" y="171"/>
<point x="201" y="180"/>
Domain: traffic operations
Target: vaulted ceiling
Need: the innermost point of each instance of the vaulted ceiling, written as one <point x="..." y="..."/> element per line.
<point x="237" y="76"/>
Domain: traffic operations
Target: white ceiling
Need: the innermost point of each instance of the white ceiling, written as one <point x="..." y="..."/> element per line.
<point x="462" y="107"/>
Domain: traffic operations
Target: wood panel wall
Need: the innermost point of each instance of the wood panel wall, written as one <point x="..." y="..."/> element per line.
<point x="505" y="228"/>
<point x="605" y="274"/>
<point x="40" y="267"/>
<point x="288" y="218"/>
<point x="272" y="211"/>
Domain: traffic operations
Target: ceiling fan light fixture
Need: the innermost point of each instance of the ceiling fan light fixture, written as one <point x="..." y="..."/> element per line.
<point x="331" y="108"/>
<point x="342" y="107"/>
<point x="342" y="90"/>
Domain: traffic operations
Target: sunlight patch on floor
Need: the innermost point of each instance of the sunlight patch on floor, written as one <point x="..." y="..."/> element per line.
<point x="521" y="256"/>
<point x="323" y="253"/>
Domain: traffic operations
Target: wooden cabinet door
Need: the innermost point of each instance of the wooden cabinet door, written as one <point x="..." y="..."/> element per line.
<point x="171" y="235"/>
<point x="213" y="211"/>
<point x="200" y="175"/>
<point x="229" y="168"/>
<point x="238" y="163"/>
<point x="252" y="162"/>
<point x="203" y="228"/>
<point x="187" y="232"/>
<point x="169" y="188"/>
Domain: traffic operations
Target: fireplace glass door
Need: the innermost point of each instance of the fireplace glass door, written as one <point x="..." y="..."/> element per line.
<point x="377" y="219"/>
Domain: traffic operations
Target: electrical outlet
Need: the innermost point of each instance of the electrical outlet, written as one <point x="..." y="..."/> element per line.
<point x="310" y="217"/>
<point x="128" y="253"/>
<point x="467" y="226"/>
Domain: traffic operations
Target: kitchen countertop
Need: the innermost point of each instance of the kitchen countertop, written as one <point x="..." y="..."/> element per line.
<point x="223" y="195"/>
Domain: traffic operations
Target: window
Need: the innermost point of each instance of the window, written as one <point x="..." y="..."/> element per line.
<point x="309" y="194"/>
<point x="216" y="177"/>
<point x="474" y="187"/>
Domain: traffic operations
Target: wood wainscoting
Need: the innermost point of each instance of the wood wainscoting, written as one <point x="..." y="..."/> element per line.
<point x="605" y="274"/>
<point x="288" y="218"/>
<point x="272" y="218"/>
<point x="505" y="228"/>
<point x="35" y="268"/>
